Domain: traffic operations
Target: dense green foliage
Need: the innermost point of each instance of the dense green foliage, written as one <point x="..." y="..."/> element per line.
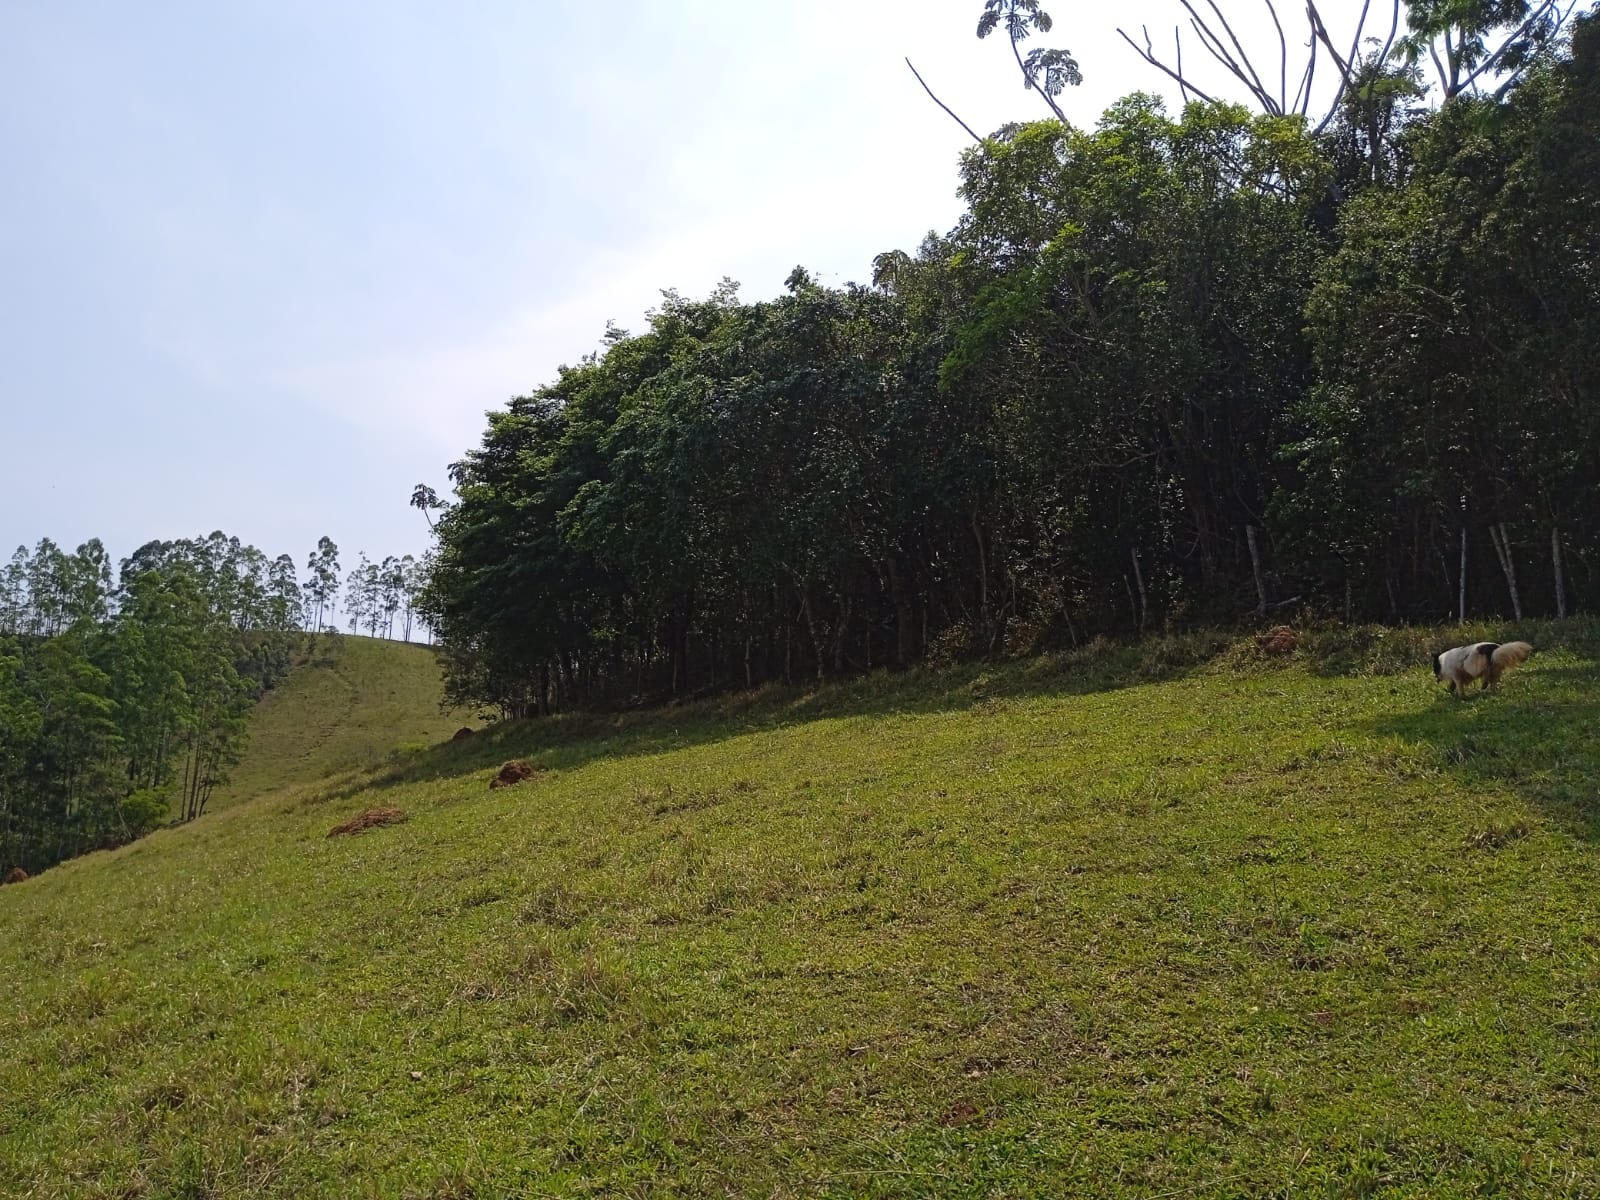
<point x="123" y="705"/>
<point x="1167" y="371"/>
<point x="1160" y="919"/>
<point x="120" y="706"/>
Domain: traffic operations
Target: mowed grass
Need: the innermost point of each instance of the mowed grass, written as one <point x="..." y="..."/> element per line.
<point x="354" y="701"/>
<point x="1151" y="922"/>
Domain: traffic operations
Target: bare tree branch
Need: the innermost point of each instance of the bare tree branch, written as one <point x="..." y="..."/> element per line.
<point x="1177" y="45"/>
<point x="1346" y="73"/>
<point x="1243" y="57"/>
<point x="1218" y="51"/>
<point x="1394" y="28"/>
<point x="1302" y="94"/>
<point x="1149" y="56"/>
<point x="1283" y="60"/>
<point x="943" y="105"/>
<point x="1355" y="41"/>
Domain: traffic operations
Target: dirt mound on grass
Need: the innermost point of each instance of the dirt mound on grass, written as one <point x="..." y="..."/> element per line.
<point x="1278" y="642"/>
<point x="15" y="875"/>
<point x="514" y="772"/>
<point x="462" y="734"/>
<point x="370" y="819"/>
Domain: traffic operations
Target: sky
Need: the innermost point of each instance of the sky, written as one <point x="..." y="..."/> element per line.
<point x="265" y="266"/>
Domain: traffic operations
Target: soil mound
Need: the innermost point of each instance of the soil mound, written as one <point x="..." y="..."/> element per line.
<point x="513" y="772"/>
<point x="462" y="734"/>
<point x="1278" y="642"/>
<point x="370" y="819"/>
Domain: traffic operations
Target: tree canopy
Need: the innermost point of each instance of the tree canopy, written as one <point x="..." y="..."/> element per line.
<point x="1171" y="369"/>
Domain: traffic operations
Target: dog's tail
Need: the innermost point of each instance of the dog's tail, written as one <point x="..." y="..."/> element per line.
<point x="1511" y="654"/>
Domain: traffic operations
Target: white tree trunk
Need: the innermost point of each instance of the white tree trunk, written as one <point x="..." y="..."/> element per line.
<point x="1501" y="537"/>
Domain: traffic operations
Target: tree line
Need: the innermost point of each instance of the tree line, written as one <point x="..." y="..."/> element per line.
<point x="123" y="703"/>
<point x="1166" y="371"/>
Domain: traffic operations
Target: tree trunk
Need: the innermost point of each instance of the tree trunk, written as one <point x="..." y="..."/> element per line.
<point x="811" y="628"/>
<point x="839" y="638"/>
<point x="1555" y="563"/>
<point x="983" y="573"/>
<point x="905" y="632"/>
<point x="1255" y="567"/>
<point x="1501" y="537"/>
<point x="1143" y="613"/>
<point x="1461" y="606"/>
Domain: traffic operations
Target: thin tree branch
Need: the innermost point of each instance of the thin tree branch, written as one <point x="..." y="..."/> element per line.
<point x="943" y="105"/>
<point x="1302" y="94"/>
<point x="1149" y="57"/>
<point x="1283" y="60"/>
<point x="1177" y="45"/>
<point x="1028" y="80"/>
<point x="1243" y="57"/>
<point x="1522" y="31"/>
<point x="1218" y="51"/>
<point x="1394" y="28"/>
<point x="1444" y="79"/>
<point x="1355" y="40"/>
<point x="1346" y="76"/>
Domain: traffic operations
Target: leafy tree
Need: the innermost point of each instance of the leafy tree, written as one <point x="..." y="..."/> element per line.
<point x="323" y="584"/>
<point x="120" y="707"/>
<point x="1173" y="369"/>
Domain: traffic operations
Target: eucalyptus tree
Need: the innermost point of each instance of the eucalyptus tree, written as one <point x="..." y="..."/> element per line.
<point x="15" y="603"/>
<point x="321" y="588"/>
<point x="283" y="594"/>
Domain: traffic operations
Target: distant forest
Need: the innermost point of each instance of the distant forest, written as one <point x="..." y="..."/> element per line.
<point x="1168" y="371"/>
<point x="123" y="705"/>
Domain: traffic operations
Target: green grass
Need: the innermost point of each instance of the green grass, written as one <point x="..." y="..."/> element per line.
<point x="354" y="702"/>
<point x="1151" y="922"/>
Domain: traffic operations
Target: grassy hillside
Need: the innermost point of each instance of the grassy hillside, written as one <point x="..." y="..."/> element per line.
<point x="353" y="703"/>
<point x="1169" y="921"/>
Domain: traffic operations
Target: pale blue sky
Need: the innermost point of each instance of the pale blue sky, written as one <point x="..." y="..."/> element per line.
<point x="266" y="265"/>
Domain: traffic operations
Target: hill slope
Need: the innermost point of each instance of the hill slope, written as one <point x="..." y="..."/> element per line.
<point x="1153" y="922"/>
<point x="356" y="701"/>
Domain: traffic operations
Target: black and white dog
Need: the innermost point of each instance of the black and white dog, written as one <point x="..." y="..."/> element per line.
<point x="1481" y="660"/>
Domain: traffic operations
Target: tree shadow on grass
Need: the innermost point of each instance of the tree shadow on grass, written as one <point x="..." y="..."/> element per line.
<point x="571" y="740"/>
<point x="1537" y="734"/>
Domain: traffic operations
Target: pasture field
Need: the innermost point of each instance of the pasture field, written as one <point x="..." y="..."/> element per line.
<point x="1170" y="920"/>
<point x="354" y="701"/>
